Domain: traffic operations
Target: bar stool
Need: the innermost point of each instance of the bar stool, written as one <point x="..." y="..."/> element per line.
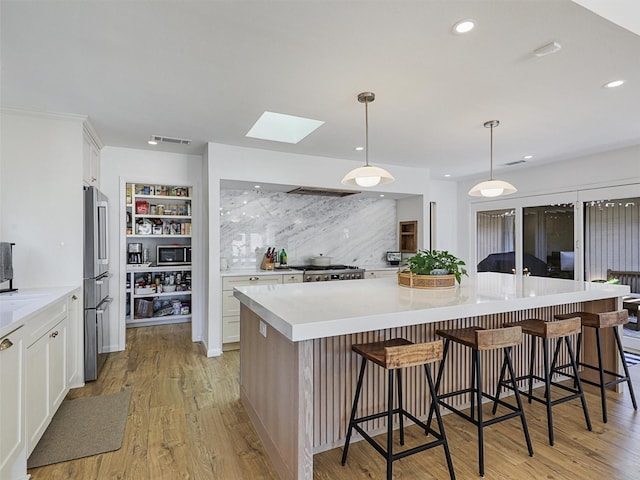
<point x="481" y="339"/>
<point x="546" y="331"/>
<point x="598" y="321"/>
<point x="393" y="355"/>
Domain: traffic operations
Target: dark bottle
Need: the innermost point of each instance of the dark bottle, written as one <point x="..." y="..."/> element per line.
<point x="283" y="257"/>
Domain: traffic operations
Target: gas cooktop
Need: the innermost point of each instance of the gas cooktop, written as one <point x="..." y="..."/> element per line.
<point x="316" y="273"/>
<point x="325" y="267"/>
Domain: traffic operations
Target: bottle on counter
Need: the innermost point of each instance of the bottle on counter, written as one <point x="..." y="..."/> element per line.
<point x="283" y="257"/>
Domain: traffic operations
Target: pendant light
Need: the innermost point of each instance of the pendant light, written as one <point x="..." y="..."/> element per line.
<point x="491" y="187"/>
<point x="367" y="175"/>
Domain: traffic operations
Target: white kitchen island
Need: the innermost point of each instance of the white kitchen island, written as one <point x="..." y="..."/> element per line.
<point x="297" y="370"/>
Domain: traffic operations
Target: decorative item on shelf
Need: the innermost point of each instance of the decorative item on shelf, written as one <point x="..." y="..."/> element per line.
<point x="491" y="187"/>
<point x="432" y="269"/>
<point x="367" y="175"/>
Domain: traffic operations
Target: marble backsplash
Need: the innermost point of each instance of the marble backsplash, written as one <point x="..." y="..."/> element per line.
<point x="351" y="230"/>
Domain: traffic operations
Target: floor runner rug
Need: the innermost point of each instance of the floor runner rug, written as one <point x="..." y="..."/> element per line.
<point x="83" y="427"/>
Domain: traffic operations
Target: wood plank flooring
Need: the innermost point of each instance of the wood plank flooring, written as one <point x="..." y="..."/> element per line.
<point x="186" y="422"/>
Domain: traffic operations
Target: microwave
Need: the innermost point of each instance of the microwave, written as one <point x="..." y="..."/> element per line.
<point x="173" y="255"/>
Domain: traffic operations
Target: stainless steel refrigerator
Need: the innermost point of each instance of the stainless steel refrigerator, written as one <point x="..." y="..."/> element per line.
<point x="96" y="281"/>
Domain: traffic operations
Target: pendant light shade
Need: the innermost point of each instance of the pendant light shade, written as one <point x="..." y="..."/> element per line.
<point x="491" y="187"/>
<point x="367" y="175"/>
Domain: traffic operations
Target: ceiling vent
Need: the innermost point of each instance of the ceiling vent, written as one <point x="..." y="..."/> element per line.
<point x="516" y="162"/>
<point x="323" y="192"/>
<point x="176" y="141"/>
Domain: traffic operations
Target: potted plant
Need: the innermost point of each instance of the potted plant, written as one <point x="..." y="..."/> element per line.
<point x="433" y="263"/>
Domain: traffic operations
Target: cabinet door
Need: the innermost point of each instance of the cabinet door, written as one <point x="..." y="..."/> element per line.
<point x="11" y="396"/>
<point x="37" y="391"/>
<point x="58" y="364"/>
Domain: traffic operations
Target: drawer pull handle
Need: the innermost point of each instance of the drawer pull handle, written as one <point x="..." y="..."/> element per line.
<point x="253" y="279"/>
<point x="73" y="297"/>
<point x="6" y="344"/>
<point x="54" y="334"/>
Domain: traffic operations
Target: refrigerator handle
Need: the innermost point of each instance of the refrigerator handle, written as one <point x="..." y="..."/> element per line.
<point x="104" y="242"/>
<point x="107" y="301"/>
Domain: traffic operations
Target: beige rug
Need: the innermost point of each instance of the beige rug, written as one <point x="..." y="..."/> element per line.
<point x="83" y="427"/>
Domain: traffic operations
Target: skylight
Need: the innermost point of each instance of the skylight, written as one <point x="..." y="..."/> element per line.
<point x="279" y="127"/>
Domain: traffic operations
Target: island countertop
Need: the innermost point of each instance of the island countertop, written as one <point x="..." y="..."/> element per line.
<point x="306" y="311"/>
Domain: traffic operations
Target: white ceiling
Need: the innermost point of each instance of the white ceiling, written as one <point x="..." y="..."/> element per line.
<point x="207" y="70"/>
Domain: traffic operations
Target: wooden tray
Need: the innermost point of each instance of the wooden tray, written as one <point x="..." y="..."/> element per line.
<point x="411" y="280"/>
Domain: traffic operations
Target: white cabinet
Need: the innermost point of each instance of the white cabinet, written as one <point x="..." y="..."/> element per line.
<point x="292" y="278"/>
<point x="90" y="157"/>
<point x="12" y="440"/>
<point x="158" y="286"/>
<point x="380" y="273"/>
<point x="231" y="305"/>
<point x="46" y="369"/>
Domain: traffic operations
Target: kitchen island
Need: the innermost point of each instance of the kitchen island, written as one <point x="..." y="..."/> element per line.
<point x="297" y="371"/>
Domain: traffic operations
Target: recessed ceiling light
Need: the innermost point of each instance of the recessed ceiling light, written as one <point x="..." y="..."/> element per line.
<point x="359" y="149"/>
<point x="463" y="26"/>
<point x="152" y="142"/>
<point x="382" y="194"/>
<point x="613" y="84"/>
<point x="447" y="175"/>
<point x="528" y="157"/>
<point x="278" y="127"/>
<point x="256" y="186"/>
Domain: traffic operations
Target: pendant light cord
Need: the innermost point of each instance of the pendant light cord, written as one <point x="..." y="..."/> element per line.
<point x="366" y="132"/>
<point x="491" y="155"/>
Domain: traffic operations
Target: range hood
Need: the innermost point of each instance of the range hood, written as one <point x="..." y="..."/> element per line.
<point x="323" y="192"/>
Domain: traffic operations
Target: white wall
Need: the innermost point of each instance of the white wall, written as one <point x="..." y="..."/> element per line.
<point x="608" y="169"/>
<point x="121" y="165"/>
<point x="41" y="197"/>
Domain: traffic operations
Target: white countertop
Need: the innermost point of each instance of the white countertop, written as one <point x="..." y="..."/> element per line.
<point x="303" y="311"/>
<point x="17" y="307"/>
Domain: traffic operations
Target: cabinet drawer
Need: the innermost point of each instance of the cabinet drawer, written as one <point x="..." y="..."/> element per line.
<point x="230" y="304"/>
<point x="231" y="329"/>
<point x="292" y="278"/>
<point x="229" y="282"/>
<point x="45" y="321"/>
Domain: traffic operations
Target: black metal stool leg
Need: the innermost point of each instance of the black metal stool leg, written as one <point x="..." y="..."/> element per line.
<point x="499" y="388"/>
<point x="625" y="367"/>
<point x="547" y="387"/>
<point x="390" y="427"/>
<point x="477" y="374"/>
<point x="507" y="352"/>
<point x="603" y="391"/>
<point x="445" y="350"/>
<point x="356" y="397"/>
<point x="436" y="408"/>
<point x="400" y="404"/>
<point x="574" y="365"/>
<point x="532" y="360"/>
<point x="473" y="382"/>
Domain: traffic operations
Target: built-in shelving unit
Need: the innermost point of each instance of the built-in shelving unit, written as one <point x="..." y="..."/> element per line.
<point x="409" y="236"/>
<point x="157" y="215"/>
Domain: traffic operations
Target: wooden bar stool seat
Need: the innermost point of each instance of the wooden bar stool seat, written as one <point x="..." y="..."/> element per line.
<point x="481" y="339"/>
<point x="393" y="356"/>
<point x="546" y="332"/>
<point x="599" y="321"/>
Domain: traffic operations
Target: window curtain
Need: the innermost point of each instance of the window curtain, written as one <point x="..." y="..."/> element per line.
<point x="612" y="237"/>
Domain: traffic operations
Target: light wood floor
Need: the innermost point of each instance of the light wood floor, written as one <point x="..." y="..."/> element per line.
<point x="186" y="422"/>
